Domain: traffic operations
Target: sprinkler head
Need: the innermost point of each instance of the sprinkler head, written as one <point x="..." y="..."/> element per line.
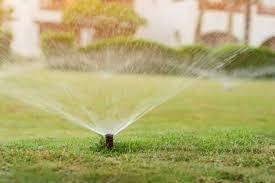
<point x="109" y="141"/>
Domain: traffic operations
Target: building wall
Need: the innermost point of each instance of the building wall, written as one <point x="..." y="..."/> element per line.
<point x="165" y="17"/>
<point x="23" y="27"/>
<point x="167" y="20"/>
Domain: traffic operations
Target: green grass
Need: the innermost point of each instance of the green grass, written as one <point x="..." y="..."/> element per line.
<point x="205" y="134"/>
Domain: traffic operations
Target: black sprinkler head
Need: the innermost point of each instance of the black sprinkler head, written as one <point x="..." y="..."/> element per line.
<point x="109" y="141"/>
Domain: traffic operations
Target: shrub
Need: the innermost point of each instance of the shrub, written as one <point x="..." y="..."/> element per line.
<point x="193" y="50"/>
<point x="130" y="44"/>
<point x="5" y="44"/>
<point x="124" y="54"/>
<point x="57" y="43"/>
<point x="5" y="41"/>
<point x="244" y="57"/>
<point x="108" y="19"/>
<point x="195" y="56"/>
<point x="5" y="13"/>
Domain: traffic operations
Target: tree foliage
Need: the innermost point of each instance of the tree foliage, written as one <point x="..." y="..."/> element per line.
<point x="107" y="19"/>
<point x="56" y="43"/>
<point x="5" y="42"/>
<point x="5" y="13"/>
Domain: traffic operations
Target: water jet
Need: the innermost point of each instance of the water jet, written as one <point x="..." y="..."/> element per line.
<point x="110" y="90"/>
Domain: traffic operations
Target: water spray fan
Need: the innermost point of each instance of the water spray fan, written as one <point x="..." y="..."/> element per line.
<point x="119" y="86"/>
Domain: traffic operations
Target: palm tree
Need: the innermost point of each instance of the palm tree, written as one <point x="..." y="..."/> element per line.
<point x="247" y="4"/>
<point x="199" y="24"/>
<point x="248" y="17"/>
<point x="247" y="29"/>
<point x="230" y="5"/>
<point x="230" y="8"/>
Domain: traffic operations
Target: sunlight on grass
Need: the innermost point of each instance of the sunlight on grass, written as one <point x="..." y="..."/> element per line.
<point x="206" y="133"/>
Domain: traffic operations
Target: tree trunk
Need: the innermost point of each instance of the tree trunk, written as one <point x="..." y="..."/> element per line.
<point x="199" y="26"/>
<point x="230" y="26"/>
<point x="230" y="21"/>
<point x="247" y="29"/>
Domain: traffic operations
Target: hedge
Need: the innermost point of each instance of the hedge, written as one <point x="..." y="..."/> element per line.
<point x="108" y="18"/>
<point x="245" y="57"/>
<point x="125" y="54"/>
<point x="5" y="46"/>
<point x="248" y="62"/>
<point x="56" y="43"/>
<point x="5" y="42"/>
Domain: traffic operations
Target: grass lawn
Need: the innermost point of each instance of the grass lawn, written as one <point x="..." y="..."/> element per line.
<point x="204" y="134"/>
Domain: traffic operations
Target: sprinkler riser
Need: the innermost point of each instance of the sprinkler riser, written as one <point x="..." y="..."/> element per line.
<point x="109" y="141"/>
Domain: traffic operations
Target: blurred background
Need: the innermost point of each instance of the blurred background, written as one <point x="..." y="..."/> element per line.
<point x="173" y="22"/>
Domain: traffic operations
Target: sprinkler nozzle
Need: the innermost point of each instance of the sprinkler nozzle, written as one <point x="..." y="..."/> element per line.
<point x="109" y="141"/>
